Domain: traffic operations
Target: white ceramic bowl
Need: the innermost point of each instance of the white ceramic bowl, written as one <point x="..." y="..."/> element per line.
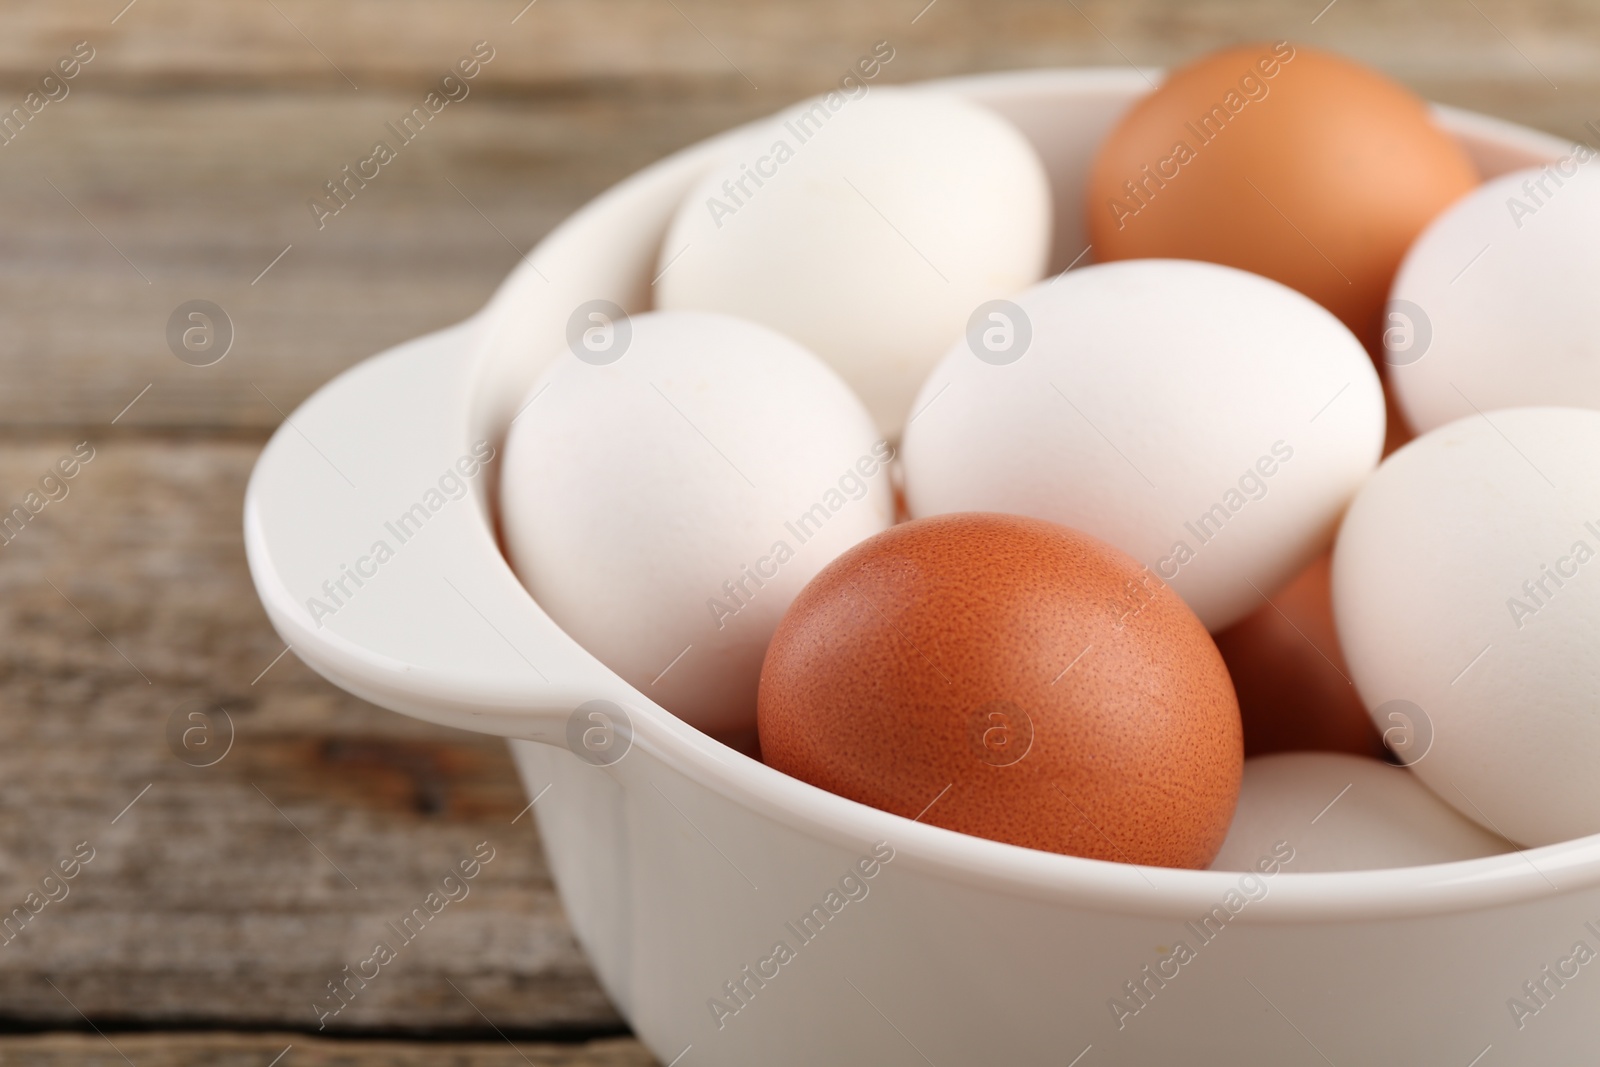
<point x="684" y="862"/>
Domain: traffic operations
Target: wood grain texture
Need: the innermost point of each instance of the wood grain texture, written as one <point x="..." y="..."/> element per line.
<point x="234" y="893"/>
<point x="122" y="208"/>
<point x="257" y="1050"/>
<point x="779" y="47"/>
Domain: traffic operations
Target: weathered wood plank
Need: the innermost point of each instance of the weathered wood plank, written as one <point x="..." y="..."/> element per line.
<point x="234" y="893"/>
<point x="256" y="1050"/>
<point x="193" y="197"/>
<point x="778" y="46"/>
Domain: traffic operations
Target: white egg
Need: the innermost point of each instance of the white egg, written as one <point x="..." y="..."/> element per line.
<point x="664" y="507"/>
<point x="1209" y="422"/>
<point x="1493" y="306"/>
<point x="867" y="228"/>
<point x="1466" y="589"/>
<point x="1337" y="812"/>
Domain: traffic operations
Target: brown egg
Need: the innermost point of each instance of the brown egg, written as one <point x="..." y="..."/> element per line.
<point x="1294" y="688"/>
<point x="1013" y="679"/>
<point x="1295" y="164"/>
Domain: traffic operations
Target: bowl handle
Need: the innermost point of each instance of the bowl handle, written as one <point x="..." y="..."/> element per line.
<point x="370" y="539"/>
<point x="372" y="560"/>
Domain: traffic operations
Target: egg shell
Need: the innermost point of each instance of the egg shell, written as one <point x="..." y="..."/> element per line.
<point x="1494" y="304"/>
<point x="1296" y="164"/>
<point x="1458" y="589"/>
<point x="1339" y="812"/>
<point x="1012" y="679"/>
<point x="882" y="221"/>
<point x="1293" y="684"/>
<point x="665" y="509"/>
<point x="1209" y="422"/>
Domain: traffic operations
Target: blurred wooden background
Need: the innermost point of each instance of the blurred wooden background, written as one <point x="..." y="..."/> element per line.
<point x="178" y="168"/>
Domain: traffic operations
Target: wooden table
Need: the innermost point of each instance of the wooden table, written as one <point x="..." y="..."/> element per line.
<point x="221" y="899"/>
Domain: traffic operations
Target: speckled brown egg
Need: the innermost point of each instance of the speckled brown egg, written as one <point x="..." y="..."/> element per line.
<point x="1294" y="688"/>
<point x="1281" y="160"/>
<point x="1013" y="679"/>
